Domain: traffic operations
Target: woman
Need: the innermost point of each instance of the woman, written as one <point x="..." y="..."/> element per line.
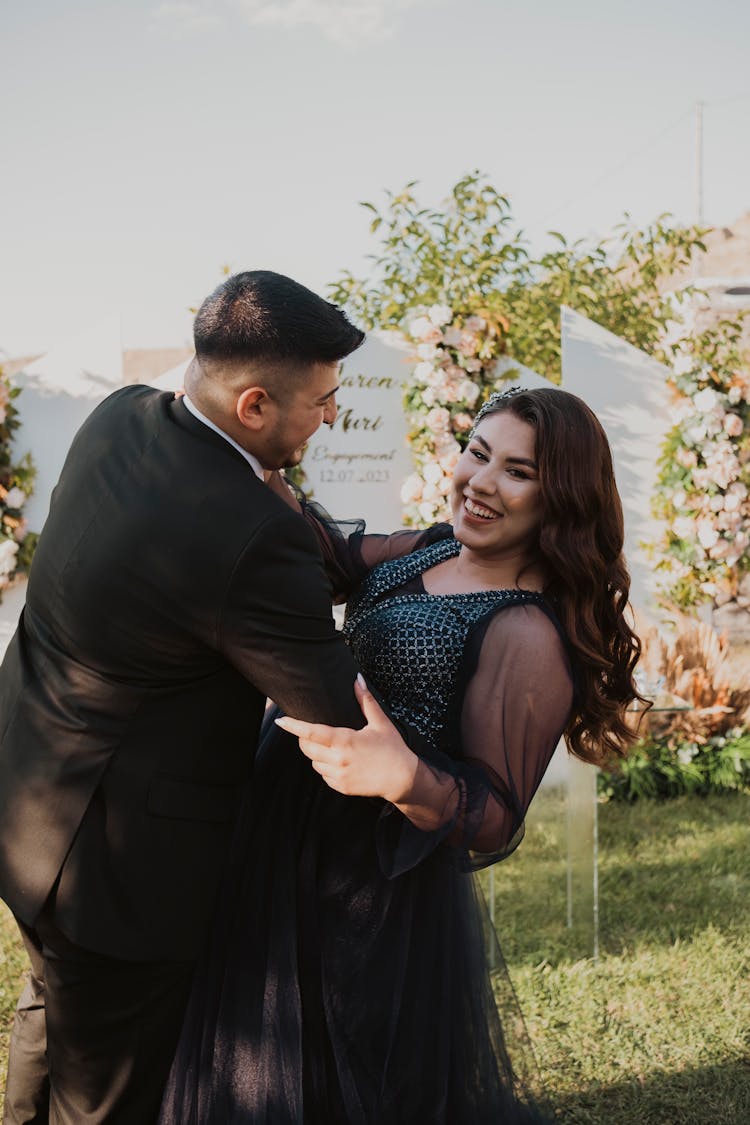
<point x="347" y="983"/>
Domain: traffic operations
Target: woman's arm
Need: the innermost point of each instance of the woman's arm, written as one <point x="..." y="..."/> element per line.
<point x="348" y="551"/>
<point x="514" y="710"/>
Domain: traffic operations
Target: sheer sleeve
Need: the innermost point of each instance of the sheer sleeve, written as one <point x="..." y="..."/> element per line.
<point x="349" y="552"/>
<point x="515" y="696"/>
<point x="515" y="708"/>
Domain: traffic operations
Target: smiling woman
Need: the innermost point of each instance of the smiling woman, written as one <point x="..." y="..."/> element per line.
<point x="486" y="643"/>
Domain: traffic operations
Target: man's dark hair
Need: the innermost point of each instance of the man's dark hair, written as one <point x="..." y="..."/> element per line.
<point x="262" y="316"/>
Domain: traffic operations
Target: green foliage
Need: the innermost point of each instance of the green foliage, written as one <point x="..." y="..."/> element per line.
<point x="459" y="255"/>
<point x="469" y="255"/>
<point x="664" y="767"/>
<point x="16" y="485"/>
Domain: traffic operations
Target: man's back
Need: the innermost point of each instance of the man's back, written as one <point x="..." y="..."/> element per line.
<point x="132" y="694"/>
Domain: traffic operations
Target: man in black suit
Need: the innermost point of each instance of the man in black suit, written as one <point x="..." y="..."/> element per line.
<point x="171" y="593"/>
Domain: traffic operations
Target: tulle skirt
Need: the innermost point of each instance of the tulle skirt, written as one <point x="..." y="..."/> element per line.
<point x="330" y="994"/>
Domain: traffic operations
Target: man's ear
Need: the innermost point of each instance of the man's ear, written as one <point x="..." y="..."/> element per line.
<point x="252" y="408"/>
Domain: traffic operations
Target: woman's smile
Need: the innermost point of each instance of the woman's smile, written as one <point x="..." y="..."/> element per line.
<point x="479" y="511"/>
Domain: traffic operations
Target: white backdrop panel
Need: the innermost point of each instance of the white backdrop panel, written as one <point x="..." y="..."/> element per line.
<point x="59" y="391"/>
<point x="627" y="390"/>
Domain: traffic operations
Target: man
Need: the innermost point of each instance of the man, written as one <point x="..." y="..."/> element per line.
<point x="171" y="593"/>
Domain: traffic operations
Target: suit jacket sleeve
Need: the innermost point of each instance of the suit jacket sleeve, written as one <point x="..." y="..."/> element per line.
<point x="277" y="629"/>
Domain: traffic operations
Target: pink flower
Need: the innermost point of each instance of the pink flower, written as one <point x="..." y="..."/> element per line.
<point x="462" y="422"/>
<point x="733" y="425"/>
<point x="452" y="337"/>
<point x="687" y="458"/>
<point x="469" y="343"/>
<point x="438" y="418"/>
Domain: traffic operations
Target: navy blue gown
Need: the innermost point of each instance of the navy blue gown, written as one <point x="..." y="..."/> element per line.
<point x="346" y="980"/>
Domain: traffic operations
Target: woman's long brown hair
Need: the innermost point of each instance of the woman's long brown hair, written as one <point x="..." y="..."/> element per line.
<point x="580" y="548"/>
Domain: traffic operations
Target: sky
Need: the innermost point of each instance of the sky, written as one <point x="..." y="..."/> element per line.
<point x="147" y="144"/>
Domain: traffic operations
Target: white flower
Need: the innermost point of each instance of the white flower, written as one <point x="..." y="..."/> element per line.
<point x="15" y="498"/>
<point x="8" y="552"/>
<point x="432" y="472"/>
<point x="716" y="502"/>
<point x="707" y="533"/>
<point x="475" y="323"/>
<point x="427" y="512"/>
<point x="472" y="364"/>
<point x="440" y="314"/>
<point x="420" y="327"/>
<point x="681" y="410"/>
<point x="428" y="396"/>
<point x="734" y="394"/>
<point x="683" y="527"/>
<point x="468" y="392"/>
<point x="423" y="372"/>
<point x="706" y="400"/>
<point x="701" y="478"/>
<point x="411" y="489"/>
<point x="427" y="351"/>
<point x="685" y="754"/>
<point x="733" y="425"/>
<point x="697" y="432"/>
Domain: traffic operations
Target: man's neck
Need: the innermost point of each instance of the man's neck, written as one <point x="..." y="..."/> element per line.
<point x="251" y="459"/>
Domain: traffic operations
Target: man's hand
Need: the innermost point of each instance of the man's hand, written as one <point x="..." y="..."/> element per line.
<point x="371" y="762"/>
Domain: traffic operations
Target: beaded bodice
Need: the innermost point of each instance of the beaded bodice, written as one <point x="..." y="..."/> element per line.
<point x="410" y="645"/>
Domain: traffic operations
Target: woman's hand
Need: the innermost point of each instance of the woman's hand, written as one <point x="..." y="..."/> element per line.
<point x="371" y="762"/>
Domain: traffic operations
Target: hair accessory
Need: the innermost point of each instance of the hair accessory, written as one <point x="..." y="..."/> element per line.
<point x="492" y="402"/>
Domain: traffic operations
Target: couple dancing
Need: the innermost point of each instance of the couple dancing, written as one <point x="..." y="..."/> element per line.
<point x="296" y="939"/>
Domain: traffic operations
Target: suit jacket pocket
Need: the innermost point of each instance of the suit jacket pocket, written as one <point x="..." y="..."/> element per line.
<point x="184" y="799"/>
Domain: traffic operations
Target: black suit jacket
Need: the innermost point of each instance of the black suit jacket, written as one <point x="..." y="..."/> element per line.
<point x="171" y="592"/>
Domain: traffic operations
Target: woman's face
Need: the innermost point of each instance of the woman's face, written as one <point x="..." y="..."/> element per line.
<point x="496" y="494"/>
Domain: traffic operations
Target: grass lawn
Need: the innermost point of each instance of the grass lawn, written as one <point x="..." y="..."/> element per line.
<point x="657" y="1032"/>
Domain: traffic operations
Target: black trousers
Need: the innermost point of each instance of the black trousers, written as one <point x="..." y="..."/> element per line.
<point x="93" y="1037"/>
